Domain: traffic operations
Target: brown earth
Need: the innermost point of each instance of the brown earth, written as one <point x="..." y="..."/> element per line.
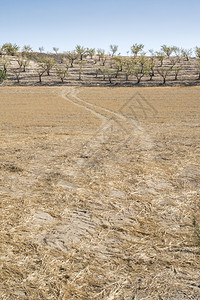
<point x="99" y="190"/>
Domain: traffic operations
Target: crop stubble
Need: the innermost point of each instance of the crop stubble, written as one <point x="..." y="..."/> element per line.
<point x="98" y="190"/>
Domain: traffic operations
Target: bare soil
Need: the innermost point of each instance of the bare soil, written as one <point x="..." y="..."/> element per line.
<point x="99" y="190"/>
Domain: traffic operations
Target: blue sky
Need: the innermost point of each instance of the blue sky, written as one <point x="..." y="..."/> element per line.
<point x="92" y="23"/>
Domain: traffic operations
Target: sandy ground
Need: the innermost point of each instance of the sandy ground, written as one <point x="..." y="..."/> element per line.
<point x="99" y="190"/>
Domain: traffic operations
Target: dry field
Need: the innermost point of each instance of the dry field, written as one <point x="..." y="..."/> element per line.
<point x="99" y="193"/>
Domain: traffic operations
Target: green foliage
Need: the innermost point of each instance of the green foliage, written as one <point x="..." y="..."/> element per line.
<point x="186" y="53"/>
<point x="128" y="67"/>
<point x="106" y="71"/>
<point x="164" y="72"/>
<point x="26" y="50"/>
<point x="160" y="56"/>
<point x="168" y="50"/>
<point x="197" y="51"/>
<point x="9" y="49"/>
<point x="72" y="56"/>
<point x="90" y="51"/>
<point x="5" y="62"/>
<point x="80" y="50"/>
<point x="81" y="65"/>
<point x="47" y="64"/>
<point x="140" y="67"/>
<point x="62" y="73"/>
<point x="3" y="76"/>
<point x="137" y="49"/>
<point x="100" y="53"/>
<point x="198" y="67"/>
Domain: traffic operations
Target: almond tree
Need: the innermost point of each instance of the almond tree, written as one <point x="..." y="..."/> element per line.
<point x="119" y="62"/>
<point x="9" y="49"/>
<point x="186" y="53"/>
<point x="161" y="57"/>
<point x="177" y="69"/>
<point x="26" y="51"/>
<point x="128" y="67"/>
<point x="198" y="68"/>
<point x="47" y="64"/>
<point x="17" y="73"/>
<point x="97" y="72"/>
<point x="55" y="49"/>
<point x="110" y="75"/>
<point x="151" y="64"/>
<point x="80" y="50"/>
<point x="140" y="68"/>
<point x="164" y="72"/>
<point x="137" y="49"/>
<point x="167" y="50"/>
<point x="66" y="62"/>
<point x="40" y="71"/>
<point x="118" y="65"/>
<point x="113" y="49"/>
<point x="107" y="72"/>
<point x="197" y="52"/>
<point x="80" y="71"/>
<point x="72" y="56"/>
<point x="151" y="68"/>
<point x="104" y="58"/>
<point x="5" y="62"/>
<point x="41" y="49"/>
<point x="90" y="52"/>
<point x="62" y="73"/>
<point x="177" y="51"/>
<point x="23" y="62"/>
<point x="104" y="71"/>
<point x="100" y="53"/>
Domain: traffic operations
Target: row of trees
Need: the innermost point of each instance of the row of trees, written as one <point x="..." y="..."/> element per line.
<point x="163" y="62"/>
<point x="136" y="49"/>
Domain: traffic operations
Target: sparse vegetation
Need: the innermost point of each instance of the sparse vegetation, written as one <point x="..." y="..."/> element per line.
<point x="129" y="70"/>
<point x="9" y="49"/>
<point x="3" y="75"/>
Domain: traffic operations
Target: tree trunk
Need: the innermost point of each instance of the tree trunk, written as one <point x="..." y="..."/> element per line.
<point x="164" y="80"/>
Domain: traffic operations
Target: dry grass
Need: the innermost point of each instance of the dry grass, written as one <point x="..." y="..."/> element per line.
<point x="99" y="190"/>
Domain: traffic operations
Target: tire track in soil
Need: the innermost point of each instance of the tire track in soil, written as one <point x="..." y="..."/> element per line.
<point x="129" y="124"/>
